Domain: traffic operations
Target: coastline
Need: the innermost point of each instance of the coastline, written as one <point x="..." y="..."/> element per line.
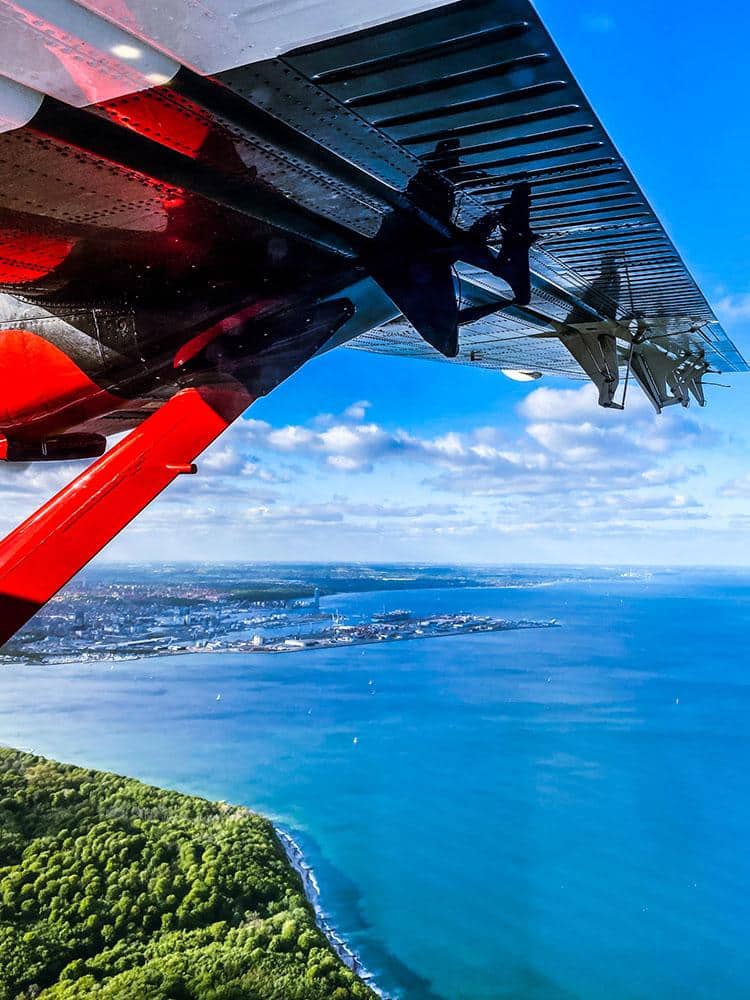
<point x="45" y="951"/>
<point x="296" y="858"/>
<point x="246" y="648"/>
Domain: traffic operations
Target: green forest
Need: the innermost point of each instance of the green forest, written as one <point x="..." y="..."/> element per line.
<point x="116" y="890"/>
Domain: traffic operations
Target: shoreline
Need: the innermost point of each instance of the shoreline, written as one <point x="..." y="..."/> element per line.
<point x="243" y="647"/>
<point x="292" y="851"/>
<point x="296" y="858"/>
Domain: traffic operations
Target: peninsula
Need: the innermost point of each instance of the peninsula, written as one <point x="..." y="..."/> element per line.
<point x="122" y="614"/>
<point x="112" y="889"/>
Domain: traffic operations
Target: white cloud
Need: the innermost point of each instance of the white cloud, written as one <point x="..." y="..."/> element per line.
<point x="570" y="405"/>
<point x="222" y="458"/>
<point x="572" y="468"/>
<point x="290" y="515"/>
<point x="361" y="518"/>
<point x="731" y="308"/>
<point x="570" y="471"/>
<point x="37" y="480"/>
<point x="358" y="410"/>
<point x="559" y="404"/>
<point x="672" y="474"/>
<point x="738" y="488"/>
<point x="254" y="470"/>
<point x="345" y="463"/>
<point x="290" y="438"/>
<point x="568" y="445"/>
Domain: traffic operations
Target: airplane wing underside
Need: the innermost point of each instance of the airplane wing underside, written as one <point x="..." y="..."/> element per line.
<point x="163" y="136"/>
<point x="481" y="94"/>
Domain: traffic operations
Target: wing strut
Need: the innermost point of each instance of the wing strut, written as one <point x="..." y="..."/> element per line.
<point x="52" y="545"/>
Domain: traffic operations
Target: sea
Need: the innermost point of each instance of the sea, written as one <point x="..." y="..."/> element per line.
<point x="540" y="814"/>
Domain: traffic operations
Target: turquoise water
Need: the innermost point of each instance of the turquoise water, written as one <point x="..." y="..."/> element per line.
<point x="542" y="814"/>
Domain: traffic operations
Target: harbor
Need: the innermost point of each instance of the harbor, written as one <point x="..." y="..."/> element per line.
<point x="405" y="627"/>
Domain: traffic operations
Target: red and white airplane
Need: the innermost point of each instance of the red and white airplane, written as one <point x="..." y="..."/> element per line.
<point x="196" y="198"/>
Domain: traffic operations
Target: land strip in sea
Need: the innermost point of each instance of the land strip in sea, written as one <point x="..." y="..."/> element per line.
<point x="116" y="614"/>
<point x="112" y="887"/>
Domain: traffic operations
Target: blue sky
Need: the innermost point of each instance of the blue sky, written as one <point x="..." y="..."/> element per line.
<point x="360" y="457"/>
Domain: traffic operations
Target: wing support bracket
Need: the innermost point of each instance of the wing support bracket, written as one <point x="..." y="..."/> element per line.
<point x="418" y="277"/>
<point x="52" y="545"/>
<point x="656" y="372"/>
<point x="596" y="353"/>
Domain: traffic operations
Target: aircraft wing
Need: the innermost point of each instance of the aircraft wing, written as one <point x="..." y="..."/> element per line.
<point x="481" y="94"/>
<point x="197" y="197"/>
<point x="433" y="108"/>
